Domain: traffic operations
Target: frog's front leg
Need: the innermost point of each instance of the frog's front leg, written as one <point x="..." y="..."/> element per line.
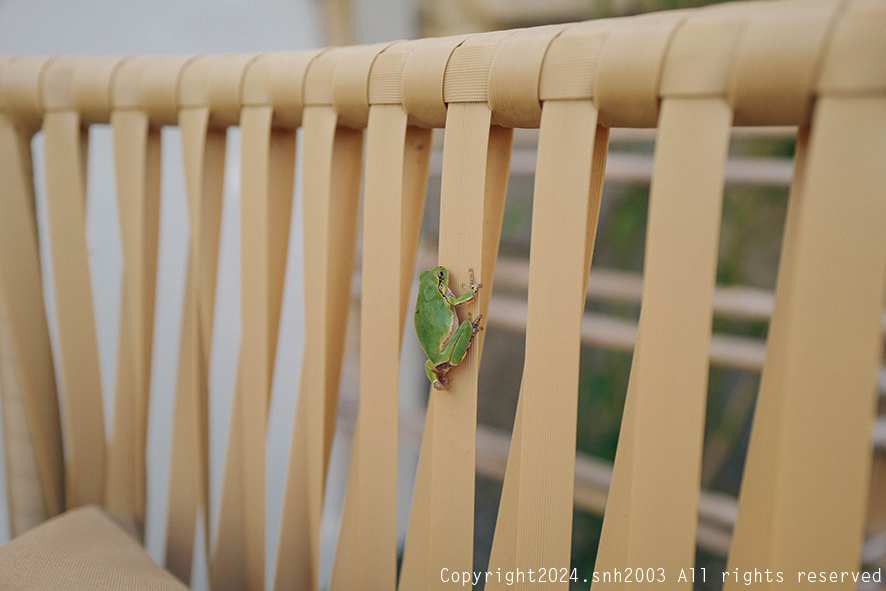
<point x="467" y="296"/>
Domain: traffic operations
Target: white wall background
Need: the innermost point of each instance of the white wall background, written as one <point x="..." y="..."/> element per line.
<point x="185" y="27"/>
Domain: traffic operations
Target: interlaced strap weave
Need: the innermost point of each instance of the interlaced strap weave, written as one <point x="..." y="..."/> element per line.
<point x="819" y="65"/>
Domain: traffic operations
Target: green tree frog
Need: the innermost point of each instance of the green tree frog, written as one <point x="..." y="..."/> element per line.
<point x="445" y="341"/>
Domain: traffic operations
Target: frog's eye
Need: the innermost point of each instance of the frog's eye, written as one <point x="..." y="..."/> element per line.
<point x="440" y="275"/>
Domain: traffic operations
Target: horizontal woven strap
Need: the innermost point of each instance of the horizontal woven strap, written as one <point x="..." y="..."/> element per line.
<point x="81" y="85"/>
<point x="386" y="76"/>
<point x="515" y="74"/>
<point x="630" y="67"/>
<point x="466" y="79"/>
<point x="84" y="550"/>
<point x="350" y="85"/>
<point x="277" y="80"/>
<point x="157" y="84"/>
<point x="423" y="74"/>
<point x="20" y="90"/>
<point x="778" y="59"/>
<point x="855" y="61"/>
<point x="769" y="60"/>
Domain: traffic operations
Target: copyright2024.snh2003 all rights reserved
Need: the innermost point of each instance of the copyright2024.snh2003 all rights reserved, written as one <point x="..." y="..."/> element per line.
<point x="563" y="575"/>
<point x="651" y="575"/>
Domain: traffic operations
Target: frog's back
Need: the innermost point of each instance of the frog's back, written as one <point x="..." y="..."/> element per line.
<point x="433" y="315"/>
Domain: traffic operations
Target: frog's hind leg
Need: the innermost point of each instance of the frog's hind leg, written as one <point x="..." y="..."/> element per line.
<point x="438" y="374"/>
<point x="464" y="336"/>
<point x="455" y="352"/>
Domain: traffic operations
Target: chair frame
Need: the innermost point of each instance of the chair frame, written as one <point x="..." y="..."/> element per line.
<point x="691" y="74"/>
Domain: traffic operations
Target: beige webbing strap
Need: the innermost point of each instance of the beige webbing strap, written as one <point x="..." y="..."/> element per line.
<point x="448" y="503"/>
<point x="143" y="96"/>
<point x="817" y="392"/>
<point x="475" y="171"/>
<point x="204" y="163"/>
<point x="209" y="98"/>
<point x="397" y="158"/>
<point x="535" y="516"/>
<point x="32" y="428"/>
<point x="65" y="143"/>
<point x="137" y="165"/>
<point x="756" y="501"/>
<point x="267" y="177"/>
<point x="652" y="509"/>
<point x="535" y="513"/>
<point x="331" y="195"/>
<point x="811" y="441"/>
<point x="25" y="500"/>
<point x="267" y="181"/>
<point x="137" y="171"/>
<point x="367" y="547"/>
<point x="331" y="189"/>
<point x="294" y="557"/>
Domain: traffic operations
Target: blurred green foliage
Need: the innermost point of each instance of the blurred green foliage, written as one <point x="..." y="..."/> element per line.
<point x="607" y="8"/>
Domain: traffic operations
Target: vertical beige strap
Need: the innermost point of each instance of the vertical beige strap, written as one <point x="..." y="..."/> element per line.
<point x="817" y="392"/>
<point x="535" y="512"/>
<point x="32" y="428"/>
<point x="535" y="515"/>
<point x="332" y="166"/>
<point x="24" y="492"/>
<point x="143" y="97"/>
<point x="452" y="414"/>
<point x="204" y="162"/>
<point x="756" y="498"/>
<point x="208" y="89"/>
<point x="336" y="92"/>
<point x="651" y="513"/>
<point x="397" y="159"/>
<point x="74" y="94"/>
<point x="267" y="177"/>
<point x="498" y="169"/>
<point x="65" y="154"/>
<point x="811" y="441"/>
<point x="475" y="168"/>
<point x="413" y="568"/>
<point x="472" y="205"/>
<point x="137" y="169"/>
<point x="298" y="553"/>
<point x="270" y="95"/>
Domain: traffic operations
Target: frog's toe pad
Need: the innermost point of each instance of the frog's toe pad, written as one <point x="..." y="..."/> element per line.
<point x="442" y="372"/>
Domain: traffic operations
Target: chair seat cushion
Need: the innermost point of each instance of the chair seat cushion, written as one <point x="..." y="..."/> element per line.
<point x="79" y="550"/>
